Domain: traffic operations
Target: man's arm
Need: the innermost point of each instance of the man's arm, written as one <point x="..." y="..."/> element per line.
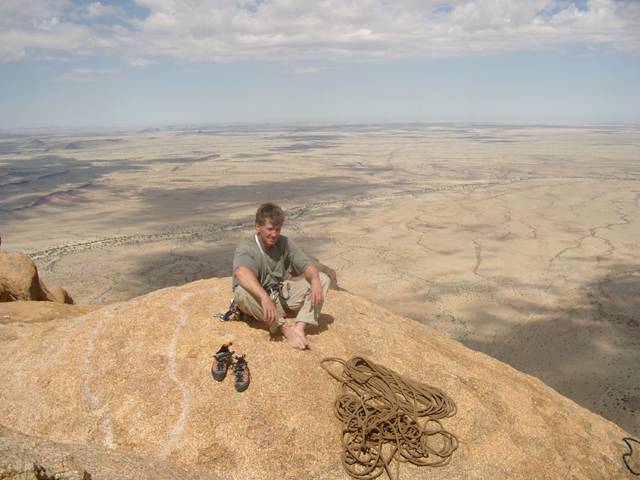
<point x="300" y="261"/>
<point x="312" y="276"/>
<point x="249" y="282"/>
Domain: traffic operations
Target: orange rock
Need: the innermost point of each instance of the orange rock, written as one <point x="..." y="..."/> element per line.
<point x="19" y="280"/>
<point x="133" y="380"/>
<point x="57" y="294"/>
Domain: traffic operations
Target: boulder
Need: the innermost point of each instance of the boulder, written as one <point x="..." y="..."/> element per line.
<point x="57" y="294"/>
<point x="19" y="280"/>
<point x="133" y="381"/>
<point x="19" y="460"/>
<point x="21" y="312"/>
<point x="27" y="457"/>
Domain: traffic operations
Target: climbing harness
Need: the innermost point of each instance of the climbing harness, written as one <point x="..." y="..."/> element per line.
<point x="386" y="417"/>
<point x="278" y="290"/>
<point x="274" y="289"/>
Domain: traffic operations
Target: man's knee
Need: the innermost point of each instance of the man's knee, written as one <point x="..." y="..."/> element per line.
<point x="251" y="306"/>
<point x="247" y="303"/>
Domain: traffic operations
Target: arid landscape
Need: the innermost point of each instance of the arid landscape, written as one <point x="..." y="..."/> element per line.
<point x="519" y="241"/>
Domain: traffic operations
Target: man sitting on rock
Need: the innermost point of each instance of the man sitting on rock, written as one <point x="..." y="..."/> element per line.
<point x="259" y="266"/>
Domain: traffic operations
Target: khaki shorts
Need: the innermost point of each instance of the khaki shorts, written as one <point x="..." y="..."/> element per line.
<point x="298" y="302"/>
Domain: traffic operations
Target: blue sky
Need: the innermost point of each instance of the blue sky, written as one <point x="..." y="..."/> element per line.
<point x="157" y="62"/>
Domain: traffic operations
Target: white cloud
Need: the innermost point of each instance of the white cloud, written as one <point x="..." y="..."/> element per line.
<point x="139" y="61"/>
<point x="220" y="30"/>
<point x="305" y="71"/>
<point x="97" y="10"/>
<point x="88" y="74"/>
<point x="39" y="28"/>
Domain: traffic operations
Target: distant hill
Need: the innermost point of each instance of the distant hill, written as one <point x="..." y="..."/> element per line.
<point x="81" y="144"/>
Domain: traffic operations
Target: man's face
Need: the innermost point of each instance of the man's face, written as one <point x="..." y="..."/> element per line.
<point x="268" y="233"/>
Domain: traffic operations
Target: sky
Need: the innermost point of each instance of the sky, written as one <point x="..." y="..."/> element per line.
<point x="122" y="63"/>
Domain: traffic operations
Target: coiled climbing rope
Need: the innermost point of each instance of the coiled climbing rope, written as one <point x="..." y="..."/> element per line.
<point x="386" y="417"/>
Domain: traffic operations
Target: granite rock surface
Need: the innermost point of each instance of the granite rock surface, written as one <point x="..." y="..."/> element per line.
<point x="19" y="280"/>
<point x="126" y="391"/>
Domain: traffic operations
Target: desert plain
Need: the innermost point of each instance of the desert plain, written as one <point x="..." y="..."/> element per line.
<point x="522" y="242"/>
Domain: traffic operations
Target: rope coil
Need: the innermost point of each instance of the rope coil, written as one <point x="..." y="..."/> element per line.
<point x="381" y="411"/>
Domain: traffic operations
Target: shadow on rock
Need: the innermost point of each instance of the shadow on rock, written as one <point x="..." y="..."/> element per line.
<point x="585" y="347"/>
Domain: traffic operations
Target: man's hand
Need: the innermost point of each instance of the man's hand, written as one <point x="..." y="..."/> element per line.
<point x="249" y="282"/>
<point x="316" y="294"/>
<point x="269" y="309"/>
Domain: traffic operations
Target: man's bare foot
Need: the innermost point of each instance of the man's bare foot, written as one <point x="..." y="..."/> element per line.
<point x="299" y="328"/>
<point x="293" y="338"/>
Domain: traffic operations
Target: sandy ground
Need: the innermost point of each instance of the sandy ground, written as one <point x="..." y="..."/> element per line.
<point x="521" y="242"/>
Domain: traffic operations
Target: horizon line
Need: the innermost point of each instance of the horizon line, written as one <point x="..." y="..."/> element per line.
<point x="319" y="124"/>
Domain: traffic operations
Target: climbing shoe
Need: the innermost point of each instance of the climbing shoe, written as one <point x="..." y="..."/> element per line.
<point x="241" y="371"/>
<point x="221" y="362"/>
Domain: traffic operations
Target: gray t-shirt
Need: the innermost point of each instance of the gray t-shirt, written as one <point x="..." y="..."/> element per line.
<point x="282" y="257"/>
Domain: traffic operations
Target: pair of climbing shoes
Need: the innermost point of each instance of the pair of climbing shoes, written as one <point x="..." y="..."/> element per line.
<point x="224" y="359"/>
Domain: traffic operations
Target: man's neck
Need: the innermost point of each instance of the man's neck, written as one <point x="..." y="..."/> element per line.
<point x="264" y="247"/>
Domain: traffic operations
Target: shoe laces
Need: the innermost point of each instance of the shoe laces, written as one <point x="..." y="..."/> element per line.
<point x="223" y="357"/>
<point x="240" y="368"/>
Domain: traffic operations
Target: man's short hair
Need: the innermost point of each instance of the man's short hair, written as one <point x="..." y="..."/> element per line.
<point x="269" y="211"/>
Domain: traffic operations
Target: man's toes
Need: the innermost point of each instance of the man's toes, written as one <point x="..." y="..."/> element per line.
<point x="296" y="338"/>
<point x="296" y="343"/>
<point x="304" y="341"/>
